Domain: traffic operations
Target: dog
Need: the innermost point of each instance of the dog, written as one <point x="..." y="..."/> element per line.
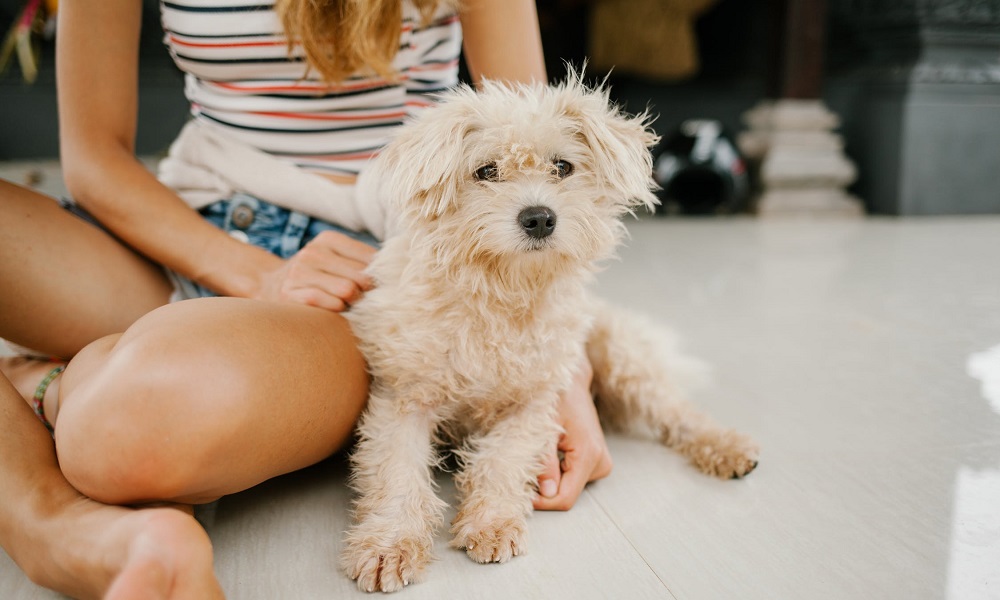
<point x="507" y="198"/>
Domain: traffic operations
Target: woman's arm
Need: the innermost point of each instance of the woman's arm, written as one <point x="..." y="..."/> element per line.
<point x="97" y="70"/>
<point x="97" y="64"/>
<point x="502" y="40"/>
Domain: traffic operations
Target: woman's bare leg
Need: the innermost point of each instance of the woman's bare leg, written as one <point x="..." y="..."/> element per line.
<point x="72" y="544"/>
<point x="54" y="269"/>
<point x="298" y="362"/>
<point x="208" y="397"/>
<point x="196" y="400"/>
<point x="66" y="283"/>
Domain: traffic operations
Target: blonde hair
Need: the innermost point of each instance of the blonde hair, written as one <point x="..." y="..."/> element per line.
<point x="341" y="37"/>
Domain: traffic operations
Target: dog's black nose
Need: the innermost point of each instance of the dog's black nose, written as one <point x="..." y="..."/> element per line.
<point x="537" y="221"/>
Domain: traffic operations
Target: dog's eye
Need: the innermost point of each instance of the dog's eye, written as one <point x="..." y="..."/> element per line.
<point x="563" y="168"/>
<point x="488" y="172"/>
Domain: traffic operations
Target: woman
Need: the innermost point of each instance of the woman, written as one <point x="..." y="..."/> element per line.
<point x="202" y="398"/>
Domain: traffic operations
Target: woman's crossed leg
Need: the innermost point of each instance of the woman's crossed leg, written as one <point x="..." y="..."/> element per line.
<point x="196" y="400"/>
<point x="208" y="397"/>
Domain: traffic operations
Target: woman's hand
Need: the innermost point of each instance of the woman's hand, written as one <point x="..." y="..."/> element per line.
<point x="585" y="453"/>
<point x="328" y="272"/>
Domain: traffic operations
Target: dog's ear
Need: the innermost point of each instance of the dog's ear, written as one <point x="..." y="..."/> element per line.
<point x="620" y="143"/>
<point x="426" y="162"/>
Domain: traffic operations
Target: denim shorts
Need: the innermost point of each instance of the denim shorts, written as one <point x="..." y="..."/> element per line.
<point x="278" y="230"/>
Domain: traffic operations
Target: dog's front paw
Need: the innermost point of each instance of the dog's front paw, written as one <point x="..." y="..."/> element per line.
<point x="385" y="567"/>
<point x="496" y="541"/>
<point x="727" y="455"/>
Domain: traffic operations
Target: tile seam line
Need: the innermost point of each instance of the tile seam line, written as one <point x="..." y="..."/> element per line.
<point x="614" y="522"/>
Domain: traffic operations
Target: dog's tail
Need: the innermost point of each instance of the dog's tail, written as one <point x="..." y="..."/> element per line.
<point x="641" y="376"/>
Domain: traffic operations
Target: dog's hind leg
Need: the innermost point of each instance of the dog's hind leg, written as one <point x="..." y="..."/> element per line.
<point x="640" y="376"/>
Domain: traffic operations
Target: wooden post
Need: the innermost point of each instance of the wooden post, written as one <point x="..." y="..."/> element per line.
<point x="802" y="166"/>
<point x="804" y="36"/>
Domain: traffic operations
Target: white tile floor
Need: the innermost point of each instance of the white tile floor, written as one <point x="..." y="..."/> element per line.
<point x="863" y="355"/>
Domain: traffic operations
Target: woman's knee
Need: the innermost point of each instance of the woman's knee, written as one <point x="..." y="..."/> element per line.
<point x="192" y="401"/>
<point x="119" y="433"/>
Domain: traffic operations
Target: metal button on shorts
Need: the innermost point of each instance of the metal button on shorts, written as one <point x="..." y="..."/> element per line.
<point x="242" y="216"/>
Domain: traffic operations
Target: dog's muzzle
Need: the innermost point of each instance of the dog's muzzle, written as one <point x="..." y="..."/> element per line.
<point x="537" y="221"/>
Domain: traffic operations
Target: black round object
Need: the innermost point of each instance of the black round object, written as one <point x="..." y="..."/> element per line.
<point x="700" y="171"/>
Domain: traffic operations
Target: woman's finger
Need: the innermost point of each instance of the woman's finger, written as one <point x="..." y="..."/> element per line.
<point x="345" y="246"/>
<point x="326" y="258"/>
<point x="574" y="476"/>
<point x="548" y="481"/>
<point x="316" y="298"/>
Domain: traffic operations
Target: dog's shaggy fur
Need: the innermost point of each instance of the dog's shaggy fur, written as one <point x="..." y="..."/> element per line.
<point x="479" y="319"/>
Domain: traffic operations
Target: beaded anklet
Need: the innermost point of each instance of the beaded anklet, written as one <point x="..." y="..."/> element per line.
<point x="37" y="401"/>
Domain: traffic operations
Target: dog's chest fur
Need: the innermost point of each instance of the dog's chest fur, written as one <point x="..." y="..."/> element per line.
<point x="469" y="357"/>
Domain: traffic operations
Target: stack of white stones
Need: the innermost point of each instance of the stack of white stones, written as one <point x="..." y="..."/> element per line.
<point x="802" y="166"/>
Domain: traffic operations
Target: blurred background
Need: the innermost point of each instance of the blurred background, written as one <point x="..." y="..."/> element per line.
<point x="832" y="106"/>
<point x="861" y="348"/>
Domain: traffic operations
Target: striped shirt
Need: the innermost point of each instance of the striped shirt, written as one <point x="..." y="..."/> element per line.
<point x="241" y="78"/>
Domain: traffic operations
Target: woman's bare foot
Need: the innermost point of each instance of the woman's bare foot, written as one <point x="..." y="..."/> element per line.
<point x="69" y="543"/>
<point x="92" y="550"/>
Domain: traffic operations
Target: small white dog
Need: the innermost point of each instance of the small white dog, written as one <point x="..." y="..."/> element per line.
<point x="507" y="198"/>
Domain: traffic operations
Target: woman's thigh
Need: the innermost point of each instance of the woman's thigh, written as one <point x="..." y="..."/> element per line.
<point x="65" y="282"/>
<point x="208" y="397"/>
